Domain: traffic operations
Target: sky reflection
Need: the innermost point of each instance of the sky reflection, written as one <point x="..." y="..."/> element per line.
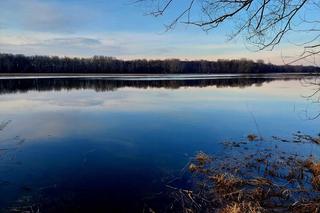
<point x="87" y="142"/>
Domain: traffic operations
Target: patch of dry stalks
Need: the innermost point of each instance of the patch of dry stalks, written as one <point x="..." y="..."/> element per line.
<point x="251" y="182"/>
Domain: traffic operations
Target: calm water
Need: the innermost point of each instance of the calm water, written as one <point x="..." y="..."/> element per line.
<point x="108" y="144"/>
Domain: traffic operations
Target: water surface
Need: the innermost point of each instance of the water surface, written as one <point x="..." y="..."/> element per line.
<point x="107" y="144"/>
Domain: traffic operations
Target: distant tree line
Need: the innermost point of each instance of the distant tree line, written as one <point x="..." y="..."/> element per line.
<point x="10" y="63"/>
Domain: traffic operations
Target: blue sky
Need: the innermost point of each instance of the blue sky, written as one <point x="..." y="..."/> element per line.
<point x="114" y="28"/>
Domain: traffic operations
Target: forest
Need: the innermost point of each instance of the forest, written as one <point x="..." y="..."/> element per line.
<point x="10" y="63"/>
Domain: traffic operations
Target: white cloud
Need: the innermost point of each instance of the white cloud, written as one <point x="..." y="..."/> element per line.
<point x="75" y="41"/>
<point x="43" y="16"/>
<point x="131" y="45"/>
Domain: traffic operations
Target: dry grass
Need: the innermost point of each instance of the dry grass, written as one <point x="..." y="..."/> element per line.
<point x="244" y="207"/>
<point x="252" y="137"/>
<point x="316" y="182"/>
<point x="306" y="207"/>
<point x="226" y="183"/>
<point x="193" y="167"/>
<point x="261" y="181"/>
<point x="314" y="168"/>
<point x="202" y="158"/>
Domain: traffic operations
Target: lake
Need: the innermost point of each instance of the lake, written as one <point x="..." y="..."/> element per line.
<point x="111" y="143"/>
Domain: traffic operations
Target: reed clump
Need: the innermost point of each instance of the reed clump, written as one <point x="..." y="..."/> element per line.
<point x="243" y="207"/>
<point x="314" y="168"/>
<point x="252" y="137"/>
<point x="250" y="180"/>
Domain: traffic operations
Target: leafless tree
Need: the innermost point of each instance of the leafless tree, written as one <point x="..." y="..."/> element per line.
<point x="263" y="23"/>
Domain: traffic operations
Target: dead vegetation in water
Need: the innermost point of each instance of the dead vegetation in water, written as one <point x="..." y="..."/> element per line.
<point x="299" y="137"/>
<point x="252" y="137"/>
<point x="242" y="208"/>
<point x="314" y="168"/>
<point x="202" y="158"/>
<point x="250" y="181"/>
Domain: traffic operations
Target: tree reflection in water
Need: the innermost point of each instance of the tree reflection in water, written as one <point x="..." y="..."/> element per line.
<point x="107" y="84"/>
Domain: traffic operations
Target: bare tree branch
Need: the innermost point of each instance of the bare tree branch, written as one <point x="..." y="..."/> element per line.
<point x="263" y="23"/>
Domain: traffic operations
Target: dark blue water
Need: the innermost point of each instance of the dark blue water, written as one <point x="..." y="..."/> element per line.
<point x="101" y="145"/>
